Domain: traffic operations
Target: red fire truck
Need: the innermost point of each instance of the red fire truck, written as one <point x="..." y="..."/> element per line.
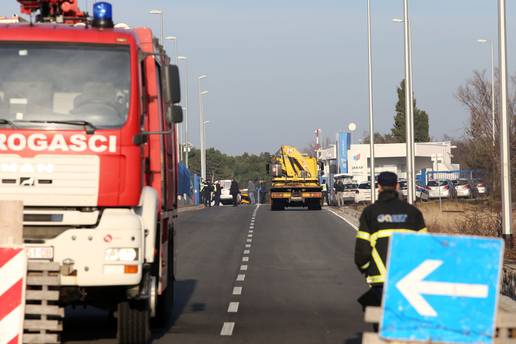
<point x="88" y="120"/>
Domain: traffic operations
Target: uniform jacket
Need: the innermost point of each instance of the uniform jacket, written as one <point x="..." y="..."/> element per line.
<point x="377" y="223"/>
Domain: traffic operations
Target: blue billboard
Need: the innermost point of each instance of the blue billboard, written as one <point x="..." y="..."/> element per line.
<point x="344" y="144"/>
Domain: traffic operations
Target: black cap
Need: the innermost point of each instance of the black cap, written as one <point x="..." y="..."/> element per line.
<point x="387" y="179"/>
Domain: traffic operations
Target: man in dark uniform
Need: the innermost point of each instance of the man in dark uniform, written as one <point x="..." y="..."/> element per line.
<point x="377" y="223"/>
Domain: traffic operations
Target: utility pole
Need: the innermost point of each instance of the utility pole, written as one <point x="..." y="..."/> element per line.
<point x="409" y="124"/>
<point x="505" y="125"/>
<point x="371" y="117"/>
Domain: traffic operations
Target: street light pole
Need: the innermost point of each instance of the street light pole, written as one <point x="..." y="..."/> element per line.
<point x="493" y="101"/>
<point x="187" y="78"/>
<point x="371" y="118"/>
<point x="505" y="124"/>
<point x="175" y="54"/>
<point x="201" y="123"/>
<point x="409" y="129"/>
<point x="162" y="24"/>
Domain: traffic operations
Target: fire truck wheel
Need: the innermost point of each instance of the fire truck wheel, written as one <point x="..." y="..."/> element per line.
<point x="166" y="300"/>
<point x="134" y="322"/>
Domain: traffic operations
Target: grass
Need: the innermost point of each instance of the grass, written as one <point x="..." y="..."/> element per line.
<point x="478" y="218"/>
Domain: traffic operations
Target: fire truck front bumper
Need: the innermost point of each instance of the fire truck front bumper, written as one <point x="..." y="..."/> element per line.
<point x="108" y="254"/>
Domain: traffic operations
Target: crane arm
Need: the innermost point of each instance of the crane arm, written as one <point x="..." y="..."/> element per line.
<point x="296" y="165"/>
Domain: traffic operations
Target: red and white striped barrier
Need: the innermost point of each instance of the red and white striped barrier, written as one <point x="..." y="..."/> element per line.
<point x="13" y="271"/>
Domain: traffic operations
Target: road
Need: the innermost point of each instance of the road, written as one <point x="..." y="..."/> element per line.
<point x="286" y="277"/>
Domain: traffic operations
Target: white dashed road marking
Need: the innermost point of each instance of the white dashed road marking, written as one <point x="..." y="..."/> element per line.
<point x="233" y="307"/>
<point x="249" y="240"/>
<point x="247" y="251"/>
<point x="240" y="278"/>
<point x="237" y="290"/>
<point x="243" y="267"/>
<point x="247" y="245"/>
<point x="245" y="259"/>
<point x="227" y="329"/>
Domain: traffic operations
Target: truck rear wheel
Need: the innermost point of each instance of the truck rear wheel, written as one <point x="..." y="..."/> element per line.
<point x="134" y="322"/>
<point x="165" y="302"/>
<point x="275" y="205"/>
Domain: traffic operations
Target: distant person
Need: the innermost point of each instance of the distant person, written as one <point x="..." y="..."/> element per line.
<point x="251" y="190"/>
<point x="234" y="190"/>
<point x="218" y="192"/>
<point x="377" y="223"/>
<point x="324" y="189"/>
<point x="207" y="193"/>
<point x="339" y="191"/>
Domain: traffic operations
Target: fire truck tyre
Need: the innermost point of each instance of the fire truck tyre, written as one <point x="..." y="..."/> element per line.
<point x="134" y="322"/>
<point x="166" y="300"/>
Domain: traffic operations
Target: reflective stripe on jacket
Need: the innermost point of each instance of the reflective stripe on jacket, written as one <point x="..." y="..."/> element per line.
<point x="377" y="223"/>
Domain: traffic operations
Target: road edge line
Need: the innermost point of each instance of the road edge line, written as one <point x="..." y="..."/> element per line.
<point x="343" y="218"/>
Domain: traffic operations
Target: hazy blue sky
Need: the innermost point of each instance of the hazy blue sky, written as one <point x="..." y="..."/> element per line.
<point x="279" y="69"/>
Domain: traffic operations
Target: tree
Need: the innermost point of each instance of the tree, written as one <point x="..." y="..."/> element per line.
<point x="379" y="138"/>
<point x="421" y="126"/>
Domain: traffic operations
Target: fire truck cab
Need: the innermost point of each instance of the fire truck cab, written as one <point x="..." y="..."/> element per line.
<point x="88" y="120"/>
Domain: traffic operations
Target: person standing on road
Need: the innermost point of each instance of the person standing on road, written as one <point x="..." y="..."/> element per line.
<point x="207" y="194"/>
<point x="251" y="189"/>
<point x="324" y="189"/>
<point x="234" y="190"/>
<point x="218" y="192"/>
<point x="339" y="190"/>
<point x="377" y="223"/>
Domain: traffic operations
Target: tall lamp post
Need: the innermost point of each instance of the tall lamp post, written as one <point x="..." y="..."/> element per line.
<point x="186" y="107"/>
<point x="493" y="101"/>
<point x="201" y="123"/>
<point x="409" y="106"/>
<point x="371" y="118"/>
<point x="173" y="39"/>
<point x="162" y="24"/>
<point x="505" y="125"/>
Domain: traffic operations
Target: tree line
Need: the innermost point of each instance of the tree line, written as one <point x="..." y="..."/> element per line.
<point x="219" y="165"/>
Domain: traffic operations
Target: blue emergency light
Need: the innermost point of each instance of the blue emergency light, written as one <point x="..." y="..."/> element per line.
<point x="102" y="15"/>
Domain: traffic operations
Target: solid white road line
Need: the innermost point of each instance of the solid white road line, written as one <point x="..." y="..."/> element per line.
<point x="233" y="307"/>
<point x="243" y="267"/>
<point x="240" y="277"/>
<point x="247" y="251"/>
<point x="237" y="290"/>
<point x="343" y="218"/>
<point x="227" y="329"/>
<point x="245" y="259"/>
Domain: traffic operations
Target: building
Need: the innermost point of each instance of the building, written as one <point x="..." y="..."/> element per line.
<point x="436" y="156"/>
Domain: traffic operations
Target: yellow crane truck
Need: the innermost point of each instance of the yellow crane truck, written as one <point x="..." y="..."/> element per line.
<point x="295" y="180"/>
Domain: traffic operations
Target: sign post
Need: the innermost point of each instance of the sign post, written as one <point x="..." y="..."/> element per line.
<point x="441" y="288"/>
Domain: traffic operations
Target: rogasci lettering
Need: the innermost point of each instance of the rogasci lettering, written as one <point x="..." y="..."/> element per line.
<point x="57" y="143"/>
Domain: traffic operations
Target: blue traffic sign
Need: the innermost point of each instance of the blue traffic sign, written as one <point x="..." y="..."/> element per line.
<point x="441" y="288"/>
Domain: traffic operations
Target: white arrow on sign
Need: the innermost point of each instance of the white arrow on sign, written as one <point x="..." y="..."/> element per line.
<point x="413" y="286"/>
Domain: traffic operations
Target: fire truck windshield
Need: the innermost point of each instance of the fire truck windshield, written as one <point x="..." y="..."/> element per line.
<point x="40" y="83"/>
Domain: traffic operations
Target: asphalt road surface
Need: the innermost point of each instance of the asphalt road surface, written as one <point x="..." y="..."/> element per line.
<point x="249" y="275"/>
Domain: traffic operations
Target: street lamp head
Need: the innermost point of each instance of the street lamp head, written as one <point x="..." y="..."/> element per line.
<point x="155" y="12"/>
<point x="171" y="38"/>
<point x="202" y="77"/>
<point x="397" y="20"/>
<point x="352" y="127"/>
<point x="482" y="40"/>
<point x="203" y="93"/>
<point x="182" y="58"/>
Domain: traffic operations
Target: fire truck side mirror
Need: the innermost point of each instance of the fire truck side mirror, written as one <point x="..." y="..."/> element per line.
<point x="172" y="85"/>
<point x="175" y="114"/>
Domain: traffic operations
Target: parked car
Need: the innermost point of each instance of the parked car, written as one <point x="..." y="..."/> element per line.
<point x="364" y="193"/>
<point x="350" y="191"/>
<point x="481" y="187"/>
<point x="441" y="189"/>
<point x="225" y="196"/>
<point x="421" y="192"/>
<point x="465" y="188"/>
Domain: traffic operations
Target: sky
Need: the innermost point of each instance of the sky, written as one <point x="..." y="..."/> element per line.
<point x="279" y="69"/>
